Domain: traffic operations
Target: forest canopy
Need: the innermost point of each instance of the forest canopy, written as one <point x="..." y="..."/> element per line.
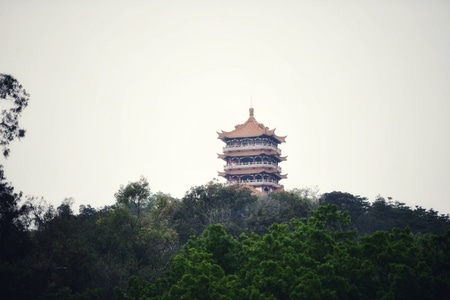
<point x="222" y="242"/>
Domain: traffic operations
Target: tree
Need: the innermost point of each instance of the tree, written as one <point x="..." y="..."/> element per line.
<point x="13" y="99"/>
<point x="14" y="242"/>
<point x="386" y="215"/>
<point x="318" y="257"/>
<point x="278" y="207"/>
<point x="13" y="236"/>
<point x="135" y="196"/>
<point x="213" y="203"/>
<point x="356" y="207"/>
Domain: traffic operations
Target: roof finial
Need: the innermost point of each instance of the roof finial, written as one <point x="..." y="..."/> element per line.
<point x="251" y="106"/>
<point x="251" y="111"/>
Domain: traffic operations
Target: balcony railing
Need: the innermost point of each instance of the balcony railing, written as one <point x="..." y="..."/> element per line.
<point x="256" y="182"/>
<point x="250" y="147"/>
<point x="252" y="165"/>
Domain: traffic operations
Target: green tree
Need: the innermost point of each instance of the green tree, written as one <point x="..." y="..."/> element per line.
<point x="14" y="239"/>
<point x="135" y="196"/>
<point x="355" y="206"/>
<point x="318" y="257"/>
<point x="435" y="251"/>
<point x="197" y="271"/>
<point x="62" y="260"/>
<point x="13" y="235"/>
<point x="278" y="207"/>
<point x="13" y="99"/>
<point x="213" y="203"/>
<point x="393" y="267"/>
<point x="387" y="214"/>
<point x="296" y="260"/>
<point x="129" y="246"/>
<point x="14" y="242"/>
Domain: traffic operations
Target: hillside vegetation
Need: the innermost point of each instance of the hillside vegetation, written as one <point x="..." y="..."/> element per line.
<point x="222" y="242"/>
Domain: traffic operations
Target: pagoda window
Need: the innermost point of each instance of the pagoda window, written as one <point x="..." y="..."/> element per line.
<point x="247" y="178"/>
<point x="258" y="160"/>
<point x="244" y="142"/>
<point x="247" y="160"/>
<point x="258" y="141"/>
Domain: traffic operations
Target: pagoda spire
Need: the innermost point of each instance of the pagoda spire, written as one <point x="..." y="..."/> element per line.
<point x="251" y="110"/>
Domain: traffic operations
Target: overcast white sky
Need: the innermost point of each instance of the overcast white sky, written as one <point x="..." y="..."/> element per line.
<point x="121" y="89"/>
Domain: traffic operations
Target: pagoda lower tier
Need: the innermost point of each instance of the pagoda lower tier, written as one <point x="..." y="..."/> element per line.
<point x="263" y="182"/>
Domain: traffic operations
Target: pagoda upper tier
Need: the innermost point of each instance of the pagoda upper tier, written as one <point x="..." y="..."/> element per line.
<point x="251" y="128"/>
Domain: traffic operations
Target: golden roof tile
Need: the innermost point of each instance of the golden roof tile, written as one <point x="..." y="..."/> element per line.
<point x="251" y="128"/>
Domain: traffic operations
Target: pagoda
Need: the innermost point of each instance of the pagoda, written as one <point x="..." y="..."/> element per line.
<point x="252" y="155"/>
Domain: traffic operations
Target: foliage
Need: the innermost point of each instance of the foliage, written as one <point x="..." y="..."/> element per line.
<point x="221" y="242"/>
<point x="13" y="236"/>
<point x="318" y="257"/>
<point x="14" y="240"/>
<point x="213" y="203"/>
<point x="278" y="207"/>
<point x="85" y="256"/>
<point x="13" y="99"/>
<point x="135" y="196"/>
<point x="386" y="215"/>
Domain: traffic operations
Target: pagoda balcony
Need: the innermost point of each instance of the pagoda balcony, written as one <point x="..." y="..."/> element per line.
<point x="252" y="165"/>
<point x="251" y="147"/>
<point x="257" y="182"/>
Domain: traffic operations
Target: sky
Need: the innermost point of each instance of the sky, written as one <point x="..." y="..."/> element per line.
<point x="124" y="89"/>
